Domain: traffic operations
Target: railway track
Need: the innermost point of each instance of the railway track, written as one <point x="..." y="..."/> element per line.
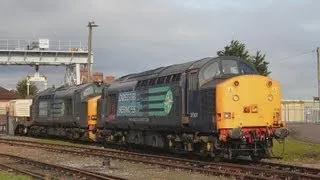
<point x="42" y="170"/>
<point x="250" y="170"/>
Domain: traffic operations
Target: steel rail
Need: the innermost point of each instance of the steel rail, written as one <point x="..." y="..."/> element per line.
<point x="81" y="172"/>
<point x="237" y="170"/>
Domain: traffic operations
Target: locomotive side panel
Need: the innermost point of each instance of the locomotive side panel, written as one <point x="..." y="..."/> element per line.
<point x="152" y="108"/>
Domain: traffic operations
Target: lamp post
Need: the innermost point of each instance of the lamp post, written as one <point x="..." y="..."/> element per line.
<point x="91" y="24"/>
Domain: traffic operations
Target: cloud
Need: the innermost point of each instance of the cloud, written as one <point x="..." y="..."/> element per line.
<point x="144" y="34"/>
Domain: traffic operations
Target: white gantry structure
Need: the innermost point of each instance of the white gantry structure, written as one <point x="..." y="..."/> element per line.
<point x="43" y="52"/>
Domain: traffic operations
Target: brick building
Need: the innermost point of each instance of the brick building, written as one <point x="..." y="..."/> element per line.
<point x="96" y="76"/>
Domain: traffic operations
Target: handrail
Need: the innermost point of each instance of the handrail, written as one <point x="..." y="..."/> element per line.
<point x="54" y="45"/>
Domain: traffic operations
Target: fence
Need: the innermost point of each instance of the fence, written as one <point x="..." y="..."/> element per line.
<point x="301" y="115"/>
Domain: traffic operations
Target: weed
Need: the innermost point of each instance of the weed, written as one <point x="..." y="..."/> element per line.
<point x="296" y="150"/>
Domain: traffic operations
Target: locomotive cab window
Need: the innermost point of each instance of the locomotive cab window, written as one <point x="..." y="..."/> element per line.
<point x="230" y="67"/>
<point x="246" y="69"/>
<point x="211" y="71"/>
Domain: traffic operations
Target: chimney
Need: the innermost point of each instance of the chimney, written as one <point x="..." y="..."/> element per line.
<point x="97" y="76"/>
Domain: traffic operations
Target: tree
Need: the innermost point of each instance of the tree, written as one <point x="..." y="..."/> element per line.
<point x="239" y="50"/>
<point x="260" y="64"/>
<point x="22" y="89"/>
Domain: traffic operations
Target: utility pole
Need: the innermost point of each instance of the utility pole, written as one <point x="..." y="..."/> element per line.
<point x="91" y="24"/>
<point x="318" y="62"/>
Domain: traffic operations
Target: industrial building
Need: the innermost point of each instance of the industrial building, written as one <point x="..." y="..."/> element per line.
<point x="303" y="111"/>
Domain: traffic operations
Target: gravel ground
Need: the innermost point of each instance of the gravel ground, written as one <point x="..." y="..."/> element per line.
<point x="119" y="168"/>
<point x="310" y="163"/>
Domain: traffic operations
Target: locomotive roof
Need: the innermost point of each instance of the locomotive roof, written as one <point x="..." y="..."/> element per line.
<point x="63" y="91"/>
<point x="172" y="69"/>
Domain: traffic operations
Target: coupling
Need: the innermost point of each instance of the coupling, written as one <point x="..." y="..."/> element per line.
<point x="281" y="132"/>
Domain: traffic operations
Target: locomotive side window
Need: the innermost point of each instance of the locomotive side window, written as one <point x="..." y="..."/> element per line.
<point x="211" y="71"/>
<point x="230" y="67"/>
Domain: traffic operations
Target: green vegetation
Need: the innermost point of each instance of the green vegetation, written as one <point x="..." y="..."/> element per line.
<point x="240" y="50"/>
<point x="296" y="150"/>
<point x="21" y="90"/>
<point x="11" y="176"/>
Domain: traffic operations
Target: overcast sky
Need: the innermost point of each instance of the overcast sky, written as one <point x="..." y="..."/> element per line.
<point x="142" y="34"/>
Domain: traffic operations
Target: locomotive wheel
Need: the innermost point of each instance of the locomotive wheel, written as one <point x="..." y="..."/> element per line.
<point x="218" y="156"/>
<point x="256" y="158"/>
<point x="154" y="141"/>
<point x="137" y="139"/>
<point x="25" y="130"/>
<point x="76" y="136"/>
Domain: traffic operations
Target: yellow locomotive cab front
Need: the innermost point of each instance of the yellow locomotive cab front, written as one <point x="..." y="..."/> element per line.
<point x="246" y="102"/>
<point x="92" y="116"/>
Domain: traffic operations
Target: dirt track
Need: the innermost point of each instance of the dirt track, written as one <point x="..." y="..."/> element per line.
<point x="306" y="132"/>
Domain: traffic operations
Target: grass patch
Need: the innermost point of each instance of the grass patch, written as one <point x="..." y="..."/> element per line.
<point x="296" y="150"/>
<point x="11" y="176"/>
<point x="58" y="142"/>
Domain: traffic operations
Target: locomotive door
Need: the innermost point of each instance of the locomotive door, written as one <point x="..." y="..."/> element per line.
<point x="77" y="102"/>
<point x="192" y="101"/>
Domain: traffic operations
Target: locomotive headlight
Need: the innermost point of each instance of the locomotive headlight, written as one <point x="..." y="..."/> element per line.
<point x="254" y="108"/>
<point x="270" y="97"/>
<point x="236" y="83"/>
<point x="227" y="115"/>
<point x="235" y="98"/>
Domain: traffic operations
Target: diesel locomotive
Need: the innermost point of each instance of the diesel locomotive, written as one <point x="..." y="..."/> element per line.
<point x="217" y="106"/>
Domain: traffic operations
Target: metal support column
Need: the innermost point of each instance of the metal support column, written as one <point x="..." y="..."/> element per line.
<point x="77" y="74"/>
<point x="318" y="62"/>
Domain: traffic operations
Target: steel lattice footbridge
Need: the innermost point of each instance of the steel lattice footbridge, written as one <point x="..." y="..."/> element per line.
<point x="43" y="52"/>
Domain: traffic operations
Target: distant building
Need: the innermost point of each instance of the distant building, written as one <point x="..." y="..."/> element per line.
<point x="300" y="111"/>
<point x="109" y="79"/>
<point x="5" y="97"/>
<point x="96" y="76"/>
